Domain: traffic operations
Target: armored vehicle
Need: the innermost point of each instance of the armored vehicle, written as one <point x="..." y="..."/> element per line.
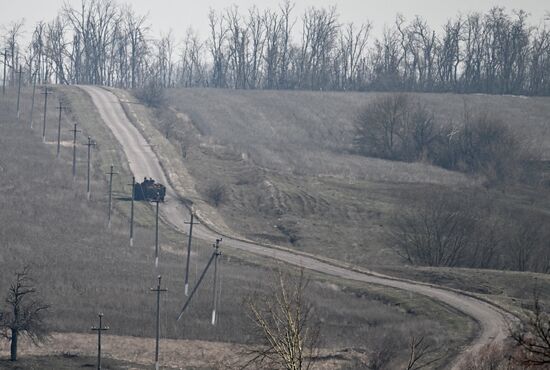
<point x="149" y="190"/>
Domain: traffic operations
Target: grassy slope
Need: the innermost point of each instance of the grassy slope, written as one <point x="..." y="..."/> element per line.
<point x="286" y="160"/>
<point x="81" y="267"/>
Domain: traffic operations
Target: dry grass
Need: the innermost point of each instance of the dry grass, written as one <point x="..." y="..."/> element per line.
<point x="82" y="267"/>
<point x="292" y="177"/>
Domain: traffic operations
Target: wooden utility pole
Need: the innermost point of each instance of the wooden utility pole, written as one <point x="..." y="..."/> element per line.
<point x="46" y="93"/>
<point x="4" y="77"/>
<point x="99" y="329"/>
<point x="19" y="91"/>
<point x="190" y="223"/>
<point x="157" y="201"/>
<point x="217" y="253"/>
<point x="110" y="173"/>
<point x="74" y="131"/>
<point x="159" y="290"/>
<point x="35" y="75"/>
<point x="60" y="108"/>
<point x="133" y="184"/>
<point x="89" y="145"/>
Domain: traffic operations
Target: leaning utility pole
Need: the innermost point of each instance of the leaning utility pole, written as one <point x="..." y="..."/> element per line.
<point x="214" y="256"/>
<point x="60" y="108"/>
<point x="99" y="329"/>
<point x="110" y="173"/>
<point x="157" y="201"/>
<point x="89" y="145"/>
<point x="159" y="290"/>
<point x="74" y="131"/>
<point x="46" y="93"/>
<point x="191" y="223"/>
<point x="19" y="91"/>
<point x="132" y="211"/>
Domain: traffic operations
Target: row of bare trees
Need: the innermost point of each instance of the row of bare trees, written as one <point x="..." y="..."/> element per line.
<point x="102" y="42"/>
<point x="469" y="230"/>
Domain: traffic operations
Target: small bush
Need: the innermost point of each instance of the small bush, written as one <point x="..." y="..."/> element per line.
<point x="152" y="94"/>
<point x="216" y="193"/>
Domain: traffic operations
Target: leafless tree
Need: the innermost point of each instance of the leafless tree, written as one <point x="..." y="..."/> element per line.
<point x="284" y="321"/>
<point x="422" y="354"/>
<point x="533" y="335"/>
<point x="12" y="41"/>
<point x="24" y="314"/>
<point x="381" y="126"/>
<point x="436" y="232"/>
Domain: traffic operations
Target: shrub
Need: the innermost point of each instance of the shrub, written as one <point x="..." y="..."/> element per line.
<point x="398" y="128"/>
<point x="152" y="94"/>
<point x="215" y="193"/>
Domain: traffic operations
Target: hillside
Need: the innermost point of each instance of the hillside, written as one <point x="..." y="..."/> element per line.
<point x="290" y="174"/>
<point x="82" y="267"/>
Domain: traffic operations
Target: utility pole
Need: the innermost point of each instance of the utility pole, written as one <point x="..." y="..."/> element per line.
<point x="89" y="145"/>
<point x="46" y="93"/>
<point x="159" y="290"/>
<point x="74" y="131"/>
<point x="190" y="223"/>
<point x="99" y="329"/>
<point x="35" y="75"/>
<point x="110" y="173"/>
<point x="133" y="184"/>
<point x="60" y="108"/>
<point x="214" y="256"/>
<point x="19" y="91"/>
<point x="4" y="78"/>
<point x="217" y="253"/>
<point x="157" y="201"/>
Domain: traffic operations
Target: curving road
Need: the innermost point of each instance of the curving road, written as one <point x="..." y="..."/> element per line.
<point x="493" y="322"/>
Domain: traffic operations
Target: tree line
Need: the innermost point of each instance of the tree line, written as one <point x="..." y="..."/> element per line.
<point x="103" y="42"/>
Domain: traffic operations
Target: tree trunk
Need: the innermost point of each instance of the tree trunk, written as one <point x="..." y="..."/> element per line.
<point x="13" y="350"/>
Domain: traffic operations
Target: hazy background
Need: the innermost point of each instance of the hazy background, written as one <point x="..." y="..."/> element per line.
<point x="178" y="15"/>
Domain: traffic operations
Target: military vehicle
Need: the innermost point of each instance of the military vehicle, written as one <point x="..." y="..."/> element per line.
<point x="149" y="190"/>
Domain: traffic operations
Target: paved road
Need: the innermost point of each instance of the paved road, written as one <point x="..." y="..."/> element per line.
<point x="143" y="162"/>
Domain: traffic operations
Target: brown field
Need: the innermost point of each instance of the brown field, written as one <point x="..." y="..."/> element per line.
<point x="82" y="267"/>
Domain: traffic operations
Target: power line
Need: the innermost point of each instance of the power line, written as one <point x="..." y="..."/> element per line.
<point x="60" y="108"/>
<point x="157" y="201"/>
<point x="110" y="173"/>
<point x="132" y="211"/>
<point x="74" y="131"/>
<point x="190" y="223"/>
<point x="213" y="257"/>
<point x="99" y="329"/>
<point x="20" y="73"/>
<point x="45" y="93"/>
<point x="159" y="290"/>
<point x="89" y="145"/>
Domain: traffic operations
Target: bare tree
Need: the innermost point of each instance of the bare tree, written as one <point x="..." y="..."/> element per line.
<point x="381" y="126"/>
<point x="284" y="321"/>
<point x="533" y="335"/>
<point x="24" y="312"/>
<point x="436" y="232"/>
<point x="422" y="354"/>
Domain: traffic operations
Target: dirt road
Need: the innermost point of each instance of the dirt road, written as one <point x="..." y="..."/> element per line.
<point x="143" y="162"/>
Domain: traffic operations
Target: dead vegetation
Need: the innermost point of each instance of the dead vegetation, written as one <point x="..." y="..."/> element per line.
<point x="78" y="260"/>
<point x="289" y="164"/>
